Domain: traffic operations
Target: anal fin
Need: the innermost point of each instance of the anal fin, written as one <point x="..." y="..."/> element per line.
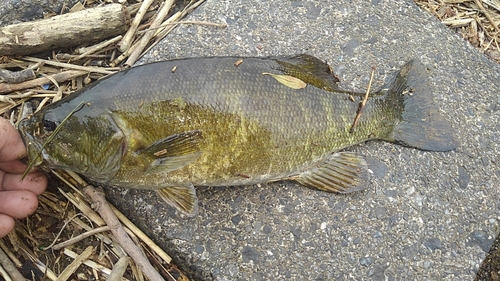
<point x="183" y="199"/>
<point x="342" y="172"/>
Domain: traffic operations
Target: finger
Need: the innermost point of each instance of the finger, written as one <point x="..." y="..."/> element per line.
<point x="15" y="167"/>
<point x="18" y="203"/>
<point x="35" y="182"/>
<point x="11" y="144"/>
<point x="6" y="225"/>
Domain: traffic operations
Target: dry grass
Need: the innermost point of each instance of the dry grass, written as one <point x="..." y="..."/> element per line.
<point x="65" y="239"/>
<point x="478" y="21"/>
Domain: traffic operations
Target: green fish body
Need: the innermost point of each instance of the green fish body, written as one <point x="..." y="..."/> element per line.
<point x="172" y="125"/>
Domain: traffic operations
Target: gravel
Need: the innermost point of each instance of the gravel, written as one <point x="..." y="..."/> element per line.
<point x="16" y="11"/>
<point x="425" y="215"/>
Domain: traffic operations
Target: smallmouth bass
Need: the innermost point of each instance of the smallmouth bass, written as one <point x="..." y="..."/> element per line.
<point x="172" y="125"/>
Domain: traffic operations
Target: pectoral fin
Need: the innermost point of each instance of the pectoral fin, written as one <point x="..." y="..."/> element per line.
<point x="173" y="152"/>
<point x="181" y="198"/>
<point x="342" y="172"/>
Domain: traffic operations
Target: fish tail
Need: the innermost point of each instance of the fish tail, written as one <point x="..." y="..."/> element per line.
<point x="420" y="124"/>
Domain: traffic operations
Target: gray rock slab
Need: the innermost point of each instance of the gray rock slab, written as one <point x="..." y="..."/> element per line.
<point x="424" y="216"/>
<point x="16" y="11"/>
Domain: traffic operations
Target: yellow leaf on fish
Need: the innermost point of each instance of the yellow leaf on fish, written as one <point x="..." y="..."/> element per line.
<point x="287" y="80"/>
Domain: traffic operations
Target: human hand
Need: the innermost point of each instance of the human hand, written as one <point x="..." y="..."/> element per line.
<point x="18" y="199"/>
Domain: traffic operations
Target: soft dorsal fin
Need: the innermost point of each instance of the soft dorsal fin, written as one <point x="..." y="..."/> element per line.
<point x="342" y="172"/>
<point x="309" y="69"/>
<point x="173" y="152"/>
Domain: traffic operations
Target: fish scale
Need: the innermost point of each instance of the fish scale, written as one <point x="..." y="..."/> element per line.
<point x="212" y="123"/>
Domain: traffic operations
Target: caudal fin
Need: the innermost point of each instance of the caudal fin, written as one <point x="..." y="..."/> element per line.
<point x="421" y="125"/>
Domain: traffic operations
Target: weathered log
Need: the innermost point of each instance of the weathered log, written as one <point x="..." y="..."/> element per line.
<point x="16" y="76"/>
<point x="64" y="31"/>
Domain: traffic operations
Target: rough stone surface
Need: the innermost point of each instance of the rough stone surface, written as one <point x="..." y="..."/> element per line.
<point x="424" y="216"/>
<point x="16" y="11"/>
<point x="490" y="268"/>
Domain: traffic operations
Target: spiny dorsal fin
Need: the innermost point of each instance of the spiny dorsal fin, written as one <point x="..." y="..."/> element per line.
<point x="183" y="199"/>
<point x="342" y="172"/>
<point x="309" y="69"/>
<point x="173" y="152"/>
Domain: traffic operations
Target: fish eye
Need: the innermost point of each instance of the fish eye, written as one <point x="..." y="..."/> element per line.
<point x="49" y="125"/>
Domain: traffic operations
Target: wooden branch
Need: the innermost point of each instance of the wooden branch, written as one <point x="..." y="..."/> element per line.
<point x="363" y="103"/>
<point x="118" y="269"/>
<point x="159" y="36"/>
<point x="89" y="263"/>
<point x="86" y="51"/>
<point x="80" y="237"/>
<point x="59" y="77"/>
<point x="160" y="16"/>
<point x="73" y="266"/>
<point x="10" y="267"/>
<point x="488" y="16"/>
<point x="64" y="31"/>
<point x="72" y="66"/>
<point x="103" y="208"/>
<point x="129" y="36"/>
<point x="144" y="238"/>
<point x="17" y="76"/>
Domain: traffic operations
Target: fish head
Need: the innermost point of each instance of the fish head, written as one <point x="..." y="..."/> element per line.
<point x="33" y="135"/>
<point x="78" y="141"/>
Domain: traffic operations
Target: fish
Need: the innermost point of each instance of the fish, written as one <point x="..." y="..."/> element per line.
<point x="227" y="121"/>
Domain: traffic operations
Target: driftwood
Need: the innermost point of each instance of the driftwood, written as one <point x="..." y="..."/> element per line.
<point x="103" y="208"/>
<point x="64" y="31"/>
<point x="17" y="76"/>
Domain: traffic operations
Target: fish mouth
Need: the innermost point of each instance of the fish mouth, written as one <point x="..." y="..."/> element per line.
<point x="28" y="129"/>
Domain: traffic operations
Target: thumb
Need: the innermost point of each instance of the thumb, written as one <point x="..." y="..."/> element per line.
<point x="11" y="144"/>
